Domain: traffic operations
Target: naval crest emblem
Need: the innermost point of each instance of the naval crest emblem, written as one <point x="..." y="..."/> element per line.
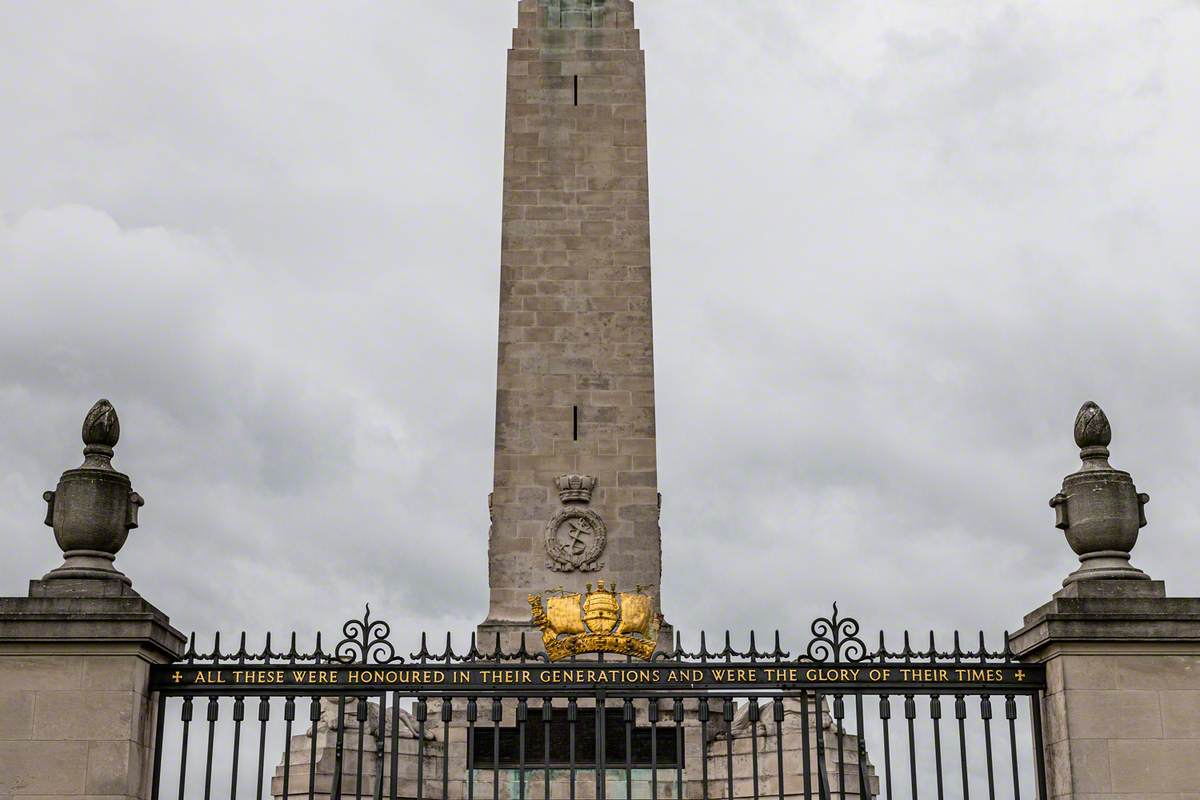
<point x="575" y="539"/>
<point x="600" y="621"/>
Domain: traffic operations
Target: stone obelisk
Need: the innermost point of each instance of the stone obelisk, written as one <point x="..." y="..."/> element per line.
<point x="575" y="497"/>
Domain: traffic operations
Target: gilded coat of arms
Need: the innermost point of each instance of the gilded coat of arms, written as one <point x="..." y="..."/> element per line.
<point x="600" y="621"/>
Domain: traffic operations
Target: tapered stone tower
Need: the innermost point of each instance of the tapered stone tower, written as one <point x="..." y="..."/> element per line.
<point x="575" y="497"/>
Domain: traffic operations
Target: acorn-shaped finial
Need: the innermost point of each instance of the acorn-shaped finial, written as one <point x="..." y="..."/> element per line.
<point x="101" y="431"/>
<point x="1091" y="426"/>
<point x="101" y="426"/>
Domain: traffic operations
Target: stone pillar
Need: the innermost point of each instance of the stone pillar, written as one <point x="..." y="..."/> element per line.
<point x="76" y="718"/>
<point x="575" y="494"/>
<point x="1121" y="716"/>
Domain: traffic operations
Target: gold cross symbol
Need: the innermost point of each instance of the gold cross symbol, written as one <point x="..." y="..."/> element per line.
<point x="177" y="677"/>
<point x="1019" y="675"/>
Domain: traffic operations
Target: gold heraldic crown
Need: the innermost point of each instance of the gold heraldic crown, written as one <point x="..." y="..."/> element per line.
<point x="600" y="621"/>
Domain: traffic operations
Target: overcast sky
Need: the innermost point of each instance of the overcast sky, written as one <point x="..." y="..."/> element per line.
<point x="896" y="245"/>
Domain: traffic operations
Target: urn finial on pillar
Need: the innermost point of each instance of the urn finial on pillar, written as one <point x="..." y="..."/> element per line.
<point x="1099" y="508"/>
<point x="94" y="507"/>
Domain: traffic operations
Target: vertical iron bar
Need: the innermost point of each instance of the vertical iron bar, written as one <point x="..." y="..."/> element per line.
<point x="910" y="714"/>
<point x="422" y="713"/>
<point x="380" y="734"/>
<point x="572" y="720"/>
<point x="935" y="713"/>
<point x="159" y="723"/>
<point x="239" y="713"/>
<point x="985" y="710"/>
<point x="213" y="711"/>
<point x="497" y="715"/>
<point x="314" y="716"/>
<point x="601" y="748"/>
<point x="185" y="715"/>
<point x="839" y="713"/>
<point x="885" y="716"/>
<point x="752" y="713"/>
<point x="1039" y="752"/>
<point x="702" y="711"/>
<point x="677" y="713"/>
<point x="522" y="716"/>
<point x="804" y="742"/>
<point x="447" y="715"/>
<point x="1010" y="711"/>
<point x="547" y="715"/>
<point x="339" y="752"/>
<point x="822" y="777"/>
<point x="864" y="781"/>
<point x="777" y="712"/>
<point x="264" y="714"/>
<point x="289" y="714"/>
<point x="727" y="716"/>
<point x="652" y="718"/>
<point x="627" y="713"/>
<point x="393" y="783"/>
<point x="360" y="712"/>
<point x="472" y="763"/>
<point x="960" y="713"/>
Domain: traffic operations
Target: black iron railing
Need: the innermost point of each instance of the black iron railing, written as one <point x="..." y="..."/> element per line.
<point x="840" y="721"/>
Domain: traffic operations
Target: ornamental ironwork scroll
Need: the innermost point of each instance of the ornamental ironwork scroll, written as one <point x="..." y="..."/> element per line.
<point x="836" y="639"/>
<point x="367" y="642"/>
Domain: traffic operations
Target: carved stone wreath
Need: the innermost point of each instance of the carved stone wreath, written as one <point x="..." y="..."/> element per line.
<point x="575" y="538"/>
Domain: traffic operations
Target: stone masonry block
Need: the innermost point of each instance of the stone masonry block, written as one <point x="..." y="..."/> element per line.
<point x="110" y="673"/>
<point x="16" y="715"/>
<point x="1147" y="766"/>
<point x="43" y="768"/>
<point x="1181" y="715"/>
<point x="1113" y="714"/>
<point x="37" y="672"/>
<point x="113" y="767"/>
<point x="1172" y="672"/>
<point x="103" y="715"/>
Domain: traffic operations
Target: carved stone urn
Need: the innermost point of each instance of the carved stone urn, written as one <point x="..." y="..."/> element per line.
<point x="94" y="507"/>
<point x="1099" y="508"/>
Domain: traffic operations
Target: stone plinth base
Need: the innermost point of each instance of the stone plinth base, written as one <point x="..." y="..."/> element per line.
<point x="1121" y="715"/>
<point x="76" y="719"/>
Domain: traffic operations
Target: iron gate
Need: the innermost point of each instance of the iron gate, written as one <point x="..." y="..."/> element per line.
<point x="840" y="720"/>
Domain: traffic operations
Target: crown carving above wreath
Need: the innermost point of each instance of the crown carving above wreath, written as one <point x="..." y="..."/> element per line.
<point x="575" y="488"/>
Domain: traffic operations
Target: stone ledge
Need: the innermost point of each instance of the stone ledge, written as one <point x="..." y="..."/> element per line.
<point x="1110" y="611"/>
<point x="113" y="619"/>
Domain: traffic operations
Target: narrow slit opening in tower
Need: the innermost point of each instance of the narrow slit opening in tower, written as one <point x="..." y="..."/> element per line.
<point x="576" y="90"/>
<point x="575" y="423"/>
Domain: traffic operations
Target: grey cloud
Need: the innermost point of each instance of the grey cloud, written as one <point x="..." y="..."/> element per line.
<point x="893" y="254"/>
